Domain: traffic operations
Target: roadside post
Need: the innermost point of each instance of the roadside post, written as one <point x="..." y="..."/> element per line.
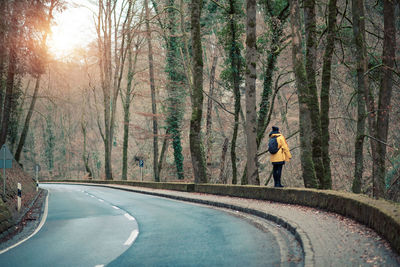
<point x="5" y="163"/>
<point x="37" y="170"/>
<point x="141" y="163"/>
<point x="19" y="196"/>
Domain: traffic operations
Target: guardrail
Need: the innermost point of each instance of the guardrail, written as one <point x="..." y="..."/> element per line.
<point x="381" y="215"/>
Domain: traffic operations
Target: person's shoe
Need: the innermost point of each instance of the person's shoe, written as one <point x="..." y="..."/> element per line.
<point x="279" y="185"/>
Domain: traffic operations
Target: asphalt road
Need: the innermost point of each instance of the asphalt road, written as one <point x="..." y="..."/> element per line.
<point x="95" y="226"/>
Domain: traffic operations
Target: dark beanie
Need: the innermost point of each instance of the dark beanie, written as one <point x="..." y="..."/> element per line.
<point x="275" y="130"/>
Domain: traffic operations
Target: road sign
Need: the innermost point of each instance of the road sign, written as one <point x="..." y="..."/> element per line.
<point x="141" y="163"/>
<point x="6" y="158"/>
<point x="37" y="168"/>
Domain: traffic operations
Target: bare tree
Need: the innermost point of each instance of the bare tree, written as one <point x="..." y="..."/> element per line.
<point x="362" y="89"/>
<point x="111" y="26"/>
<point x="313" y="105"/>
<point x="385" y="95"/>
<point x="307" y="164"/>
<point x="325" y="88"/>
<point x="196" y="143"/>
<point x="153" y="94"/>
<point x="251" y="110"/>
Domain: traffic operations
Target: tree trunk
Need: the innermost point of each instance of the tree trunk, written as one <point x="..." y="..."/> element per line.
<point x="236" y="66"/>
<point x="3" y="55"/>
<point x="84" y="156"/>
<point x="362" y="87"/>
<point x="307" y="164"/>
<point x="325" y="90"/>
<point x="27" y="120"/>
<point x="251" y="111"/>
<point x="162" y="154"/>
<point x="266" y="105"/>
<point x="312" y="101"/>
<point x="196" y="143"/>
<point x="385" y="95"/>
<point x="104" y="44"/>
<point x="127" y="105"/>
<point x="209" y="114"/>
<point x="222" y="177"/>
<point x="175" y="82"/>
<point x="9" y="97"/>
<point x="153" y="94"/>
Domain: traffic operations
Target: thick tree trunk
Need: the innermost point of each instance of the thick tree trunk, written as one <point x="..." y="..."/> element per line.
<point x="362" y="87"/>
<point x="236" y="66"/>
<point x="312" y="101"/>
<point x="3" y="55"/>
<point x="385" y="95"/>
<point x="266" y="105"/>
<point x="251" y="111"/>
<point x="175" y="82"/>
<point x="9" y="97"/>
<point x="104" y="42"/>
<point x="325" y="90"/>
<point x="208" y="138"/>
<point x="196" y="143"/>
<point x="307" y="164"/>
<point x="153" y="94"/>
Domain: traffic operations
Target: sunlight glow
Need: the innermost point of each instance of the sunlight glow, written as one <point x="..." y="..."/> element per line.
<point x="74" y="29"/>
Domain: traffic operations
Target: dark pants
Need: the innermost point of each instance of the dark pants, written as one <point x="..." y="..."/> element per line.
<point x="277" y="173"/>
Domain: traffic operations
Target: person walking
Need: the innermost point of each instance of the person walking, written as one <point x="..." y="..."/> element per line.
<point x="280" y="153"/>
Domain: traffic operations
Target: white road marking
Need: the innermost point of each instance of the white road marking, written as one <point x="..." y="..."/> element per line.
<point x="131" y="238"/>
<point x="129" y="217"/>
<point x="100" y="265"/>
<point x="115" y="207"/>
<point x="46" y="209"/>
<point x="100" y="200"/>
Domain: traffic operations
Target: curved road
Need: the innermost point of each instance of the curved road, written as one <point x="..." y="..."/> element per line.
<point x="94" y="226"/>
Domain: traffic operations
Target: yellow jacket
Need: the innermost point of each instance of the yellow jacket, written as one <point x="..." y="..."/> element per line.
<point x="283" y="153"/>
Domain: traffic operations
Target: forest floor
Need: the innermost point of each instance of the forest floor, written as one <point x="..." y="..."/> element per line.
<point x="14" y="176"/>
